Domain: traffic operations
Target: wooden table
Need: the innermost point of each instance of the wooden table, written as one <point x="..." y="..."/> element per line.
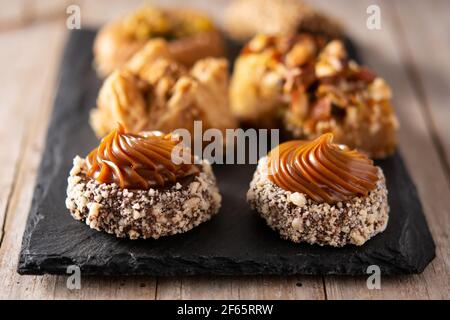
<point x="412" y="51"/>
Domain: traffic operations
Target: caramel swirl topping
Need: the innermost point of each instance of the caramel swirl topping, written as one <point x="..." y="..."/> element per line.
<point x="138" y="161"/>
<point x="324" y="171"/>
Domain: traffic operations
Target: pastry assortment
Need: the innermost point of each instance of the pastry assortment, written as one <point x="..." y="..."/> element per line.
<point x="130" y="187"/>
<point x="191" y="36"/>
<point x="320" y="192"/>
<point x="309" y="86"/>
<point x="163" y="74"/>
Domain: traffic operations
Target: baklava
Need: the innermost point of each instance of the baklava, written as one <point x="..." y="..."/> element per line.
<point x="191" y="36"/>
<point x="309" y="86"/>
<point x="154" y="92"/>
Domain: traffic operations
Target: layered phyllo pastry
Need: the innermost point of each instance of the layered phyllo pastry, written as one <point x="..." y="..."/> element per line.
<point x="154" y="92"/>
<point x="246" y="18"/>
<point x="309" y="86"/>
<point x="320" y="192"/>
<point x="191" y="36"/>
<point x="143" y="185"/>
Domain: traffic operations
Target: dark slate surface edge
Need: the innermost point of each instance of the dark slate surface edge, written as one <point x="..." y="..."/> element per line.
<point x="39" y="264"/>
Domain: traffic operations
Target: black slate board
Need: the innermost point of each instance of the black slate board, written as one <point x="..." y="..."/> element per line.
<point x="235" y="242"/>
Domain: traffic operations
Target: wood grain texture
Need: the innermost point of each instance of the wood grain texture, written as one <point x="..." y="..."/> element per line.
<point x="400" y="52"/>
<point x="28" y="119"/>
<point x="31" y="85"/>
<point x="290" y="288"/>
<point x="381" y="50"/>
<point x="107" y="288"/>
<point x="426" y="53"/>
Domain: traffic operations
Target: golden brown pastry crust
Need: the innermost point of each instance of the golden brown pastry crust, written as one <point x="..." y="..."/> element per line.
<point x="116" y="42"/>
<point x="246" y="18"/>
<point x="153" y="92"/>
<point x="255" y="90"/>
<point x="256" y="87"/>
<point x="347" y="100"/>
<point x="311" y="88"/>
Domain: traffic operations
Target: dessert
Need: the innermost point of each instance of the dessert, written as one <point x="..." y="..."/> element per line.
<point x="154" y="92"/>
<point x="343" y="98"/>
<point x="320" y="192"/>
<point x="246" y="18"/>
<point x="191" y="36"/>
<point x="136" y="186"/>
<point x="260" y="72"/>
<point x="309" y="87"/>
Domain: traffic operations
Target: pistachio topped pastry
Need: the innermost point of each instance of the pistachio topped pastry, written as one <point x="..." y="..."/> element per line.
<point x="191" y="34"/>
<point x="310" y="86"/>
<point x="320" y="192"/>
<point x="143" y="185"/>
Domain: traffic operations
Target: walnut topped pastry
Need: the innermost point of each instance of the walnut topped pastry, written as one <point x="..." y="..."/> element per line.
<point x="311" y="87"/>
<point x="141" y="186"/>
<point x="154" y="92"/>
<point x="246" y="18"/>
<point x="346" y="99"/>
<point x="260" y="72"/>
<point x="320" y="192"/>
<point x="191" y="36"/>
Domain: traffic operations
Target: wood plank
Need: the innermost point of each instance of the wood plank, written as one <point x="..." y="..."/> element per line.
<point x="30" y="86"/>
<point x="168" y="288"/>
<point x="261" y="287"/>
<point x="427" y="53"/>
<point x="381" y="51"/>
<point x="23" y="13"/>
<point x="12" y="13"/>
<point x="107" y="288"/>
<point x="17" y="108"/>
<point x="286" y="288"/>
<point x="208" y="288"/>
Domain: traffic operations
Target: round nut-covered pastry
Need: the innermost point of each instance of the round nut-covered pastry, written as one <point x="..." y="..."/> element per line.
<point x="191" y="36"/>
<point x="141" y="186"/>
<point x="154" y="92"/>
<point x="320" y="192"/>
<point x="246" y="18"/>
<point x="310" y="87"/>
